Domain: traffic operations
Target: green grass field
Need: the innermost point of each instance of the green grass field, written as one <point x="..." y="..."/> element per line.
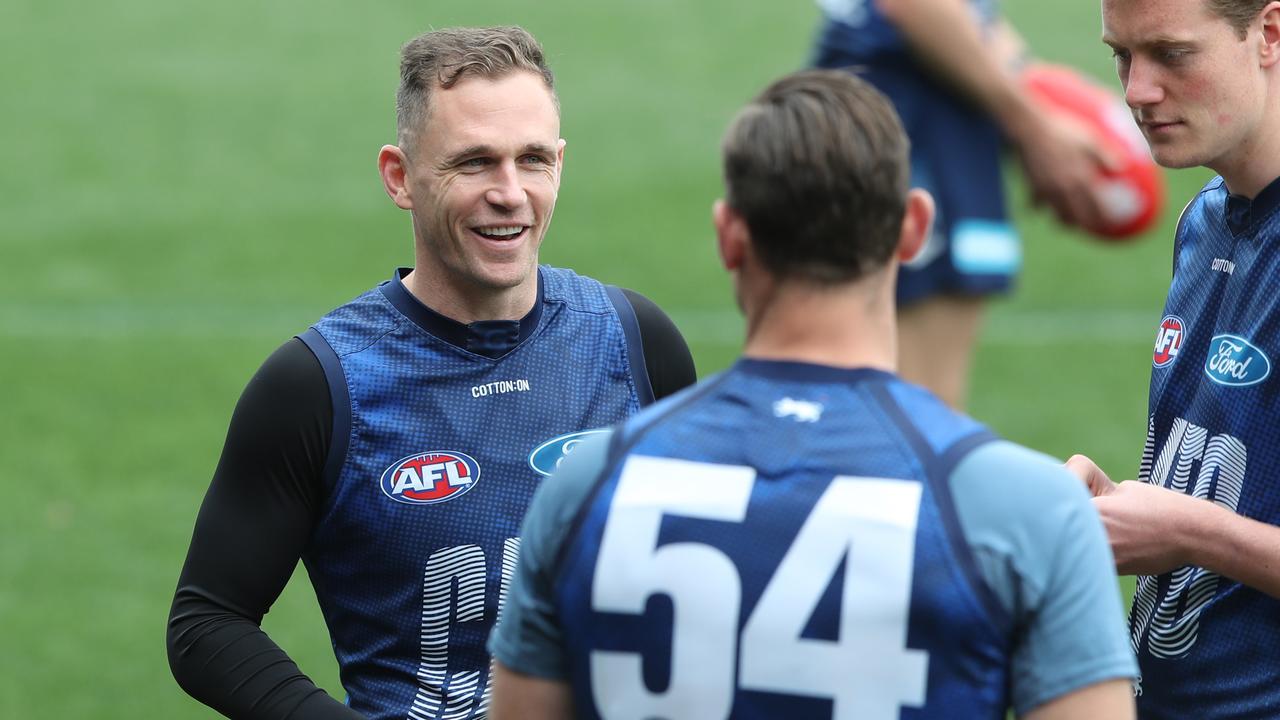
<point x="184" y="186"/>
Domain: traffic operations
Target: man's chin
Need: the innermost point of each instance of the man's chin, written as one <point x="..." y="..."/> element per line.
<point x="499" y="279"/>
<point x="1175" y="158"/>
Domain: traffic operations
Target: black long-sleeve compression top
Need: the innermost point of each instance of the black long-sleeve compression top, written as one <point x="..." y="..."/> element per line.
<point x="258" y="514"/>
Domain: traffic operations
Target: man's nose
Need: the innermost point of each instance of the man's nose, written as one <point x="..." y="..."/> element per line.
<point x="1141" y="85"/>
<point x="506" y="190"/>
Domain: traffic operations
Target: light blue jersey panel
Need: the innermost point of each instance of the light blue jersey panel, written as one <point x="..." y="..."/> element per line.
<point x="1041" y="548"/>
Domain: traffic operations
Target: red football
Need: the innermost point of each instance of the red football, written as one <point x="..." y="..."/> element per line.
<point x="1133" y="196"/>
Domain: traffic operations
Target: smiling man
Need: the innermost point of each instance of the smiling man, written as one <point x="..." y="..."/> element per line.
<point x="1203" y="80"/>
<point x="394" y="445"/>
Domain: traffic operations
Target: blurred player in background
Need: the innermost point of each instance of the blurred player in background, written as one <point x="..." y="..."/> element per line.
<point x="395" y="445"/>
<point x="806" y="535"/>
<point x="1203" y="80"/>
<point x="951" y="69"/>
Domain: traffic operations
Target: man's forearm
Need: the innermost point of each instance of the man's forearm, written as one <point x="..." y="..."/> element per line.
<point x="227" y="662"/>
<point x="1236" y="547"/>
<point x="948" y="40"/>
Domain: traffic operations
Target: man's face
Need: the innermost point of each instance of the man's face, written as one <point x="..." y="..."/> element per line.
<point x="483" y="176"/>
<point x="1196" y="89"/>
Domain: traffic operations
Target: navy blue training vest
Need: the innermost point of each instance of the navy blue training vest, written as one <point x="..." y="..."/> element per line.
<point x="436" y="453"/>
<point x="781" y="543"/>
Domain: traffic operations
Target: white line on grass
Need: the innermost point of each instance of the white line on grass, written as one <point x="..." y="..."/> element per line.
<point x="717" y="327"/>
<point x="1029" y="328"/>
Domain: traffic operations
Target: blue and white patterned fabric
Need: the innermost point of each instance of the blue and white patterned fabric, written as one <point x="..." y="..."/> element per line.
<point x="430" y="474"/>
<point x="790" y="540"/>
<point x="1206" y="645"/>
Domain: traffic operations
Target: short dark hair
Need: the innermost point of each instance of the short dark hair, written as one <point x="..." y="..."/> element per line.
<point x="441" y="58"/>
<point x="1238" y="13"/>
<point x="818" y="166"/>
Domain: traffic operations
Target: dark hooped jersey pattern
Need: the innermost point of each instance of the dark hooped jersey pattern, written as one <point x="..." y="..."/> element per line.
<point x="436" y="453"/>
<point x="781" y="542"/>
<point x="1206" y="645"/>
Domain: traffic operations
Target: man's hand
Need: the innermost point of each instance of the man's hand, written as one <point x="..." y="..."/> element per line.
<point x="1061" y="159"/>
<point x="1091" y="475"/>
<point x="1147" y="525"/>
<point x="1153" y="530"/>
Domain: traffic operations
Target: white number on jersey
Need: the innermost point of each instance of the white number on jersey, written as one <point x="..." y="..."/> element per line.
<point x="1172" y="622"/>
<point x="867" y="524"/>
<point x="439" y="693"/>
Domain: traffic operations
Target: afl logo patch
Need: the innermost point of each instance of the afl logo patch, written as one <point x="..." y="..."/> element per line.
<point x="547" y="457"/>
<point x="1168" y="340"/>
<point x="430" y="477"/>
<point x="1236" y="362"/>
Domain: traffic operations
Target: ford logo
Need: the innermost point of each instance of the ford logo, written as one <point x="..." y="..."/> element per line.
<point x="547" y="457"/>
<point x="1236" y="362"/>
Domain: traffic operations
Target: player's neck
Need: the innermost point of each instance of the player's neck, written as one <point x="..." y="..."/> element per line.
<point x="1255" y="169"/>
<point x="1255" y="163"/>
<point x="467" y="304"/>
<point x="846" y="326"/>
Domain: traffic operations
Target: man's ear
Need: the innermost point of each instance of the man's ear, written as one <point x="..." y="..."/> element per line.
<point x="393" y="167"/>
<point x="732" y="236"/>
<point x="559" y="162"/>
<point x="917" y="223"/>
<point x="1269" y="20"/>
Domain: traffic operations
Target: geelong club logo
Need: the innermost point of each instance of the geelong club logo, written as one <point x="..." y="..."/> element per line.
<point x="430" y="477"/>
<point x="1168" y="340"/>
<point x="547" y="457"/>
<point x="1236" y="362"/>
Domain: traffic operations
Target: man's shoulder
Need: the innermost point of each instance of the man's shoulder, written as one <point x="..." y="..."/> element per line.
<point x="1016" y="480"/>
<point x="557" y="278"/>
<point x="578" y="292"/>
<point x="355" y="324"/>
<point x="946" y="431"/>
<point x="1016" y="507"/>
<point x="1211" y="198"/>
